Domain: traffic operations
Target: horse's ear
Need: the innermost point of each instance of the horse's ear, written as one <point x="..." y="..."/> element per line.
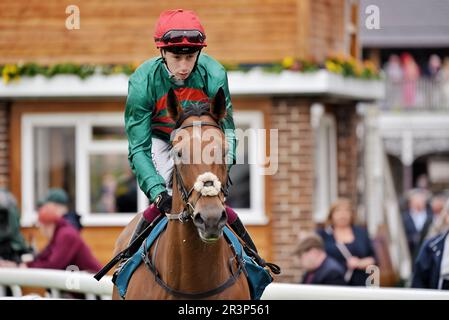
<point x="174" y="108"/>
<point x="218" y="108"/>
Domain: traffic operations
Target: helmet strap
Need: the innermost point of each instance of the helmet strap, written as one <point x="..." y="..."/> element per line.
<point x="197" y="57"/>
<point x="163" y="57"/>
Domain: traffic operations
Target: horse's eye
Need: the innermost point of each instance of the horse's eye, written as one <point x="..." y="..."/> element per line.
<point x="179" y="153"/>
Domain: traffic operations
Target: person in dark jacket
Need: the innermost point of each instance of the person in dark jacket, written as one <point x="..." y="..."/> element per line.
<point x="431" y="268"/>
<point x="348" y="243"/>
<point x="417" y="220"/>
<point x="12" y="243"/>
<point x="61" y="199"/>
<point x="318" y="266"/>
<point x="65" y="249"/>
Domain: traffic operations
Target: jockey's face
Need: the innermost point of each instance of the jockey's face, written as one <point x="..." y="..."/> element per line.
<point x="181" y="65"/>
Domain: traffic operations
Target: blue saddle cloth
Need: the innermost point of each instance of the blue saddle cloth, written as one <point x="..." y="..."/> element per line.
<point x="258" y="277"/>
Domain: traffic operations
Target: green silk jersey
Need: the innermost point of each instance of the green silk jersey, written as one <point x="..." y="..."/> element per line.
<point x="146" y="112"/>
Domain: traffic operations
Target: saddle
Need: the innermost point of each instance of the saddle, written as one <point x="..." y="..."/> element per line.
<point x="258" y="276"/>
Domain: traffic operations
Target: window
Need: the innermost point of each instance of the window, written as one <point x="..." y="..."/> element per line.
<point x="54" y="160"/>
<point x="247" y="193"/>
<point x="325" y="162"/>
<point x="86" y="155"/>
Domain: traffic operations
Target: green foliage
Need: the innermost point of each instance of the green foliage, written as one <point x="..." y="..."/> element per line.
<point x="346" y="66"/>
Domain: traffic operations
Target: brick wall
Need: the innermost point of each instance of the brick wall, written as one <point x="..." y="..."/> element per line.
<point x="292" y="186"/>
<point x="347" y="151"/>
<point x="326" y="28"/>
<point x="4" y="141"/>
<point x="249" y="31"/>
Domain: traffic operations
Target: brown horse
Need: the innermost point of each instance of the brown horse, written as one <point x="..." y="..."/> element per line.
<point x="191" y="257"/>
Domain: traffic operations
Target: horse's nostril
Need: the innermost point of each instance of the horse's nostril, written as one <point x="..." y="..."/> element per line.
<point x="198" y="220"/>
<point x="224" y="216"/>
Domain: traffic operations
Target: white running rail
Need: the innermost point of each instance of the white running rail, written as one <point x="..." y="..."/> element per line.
<point x="285" y="291"/>
<point x="81" y="282"/>
<point x="54" y="280"/>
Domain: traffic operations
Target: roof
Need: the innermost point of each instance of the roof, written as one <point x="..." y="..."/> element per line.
<point x="406" y="23"/>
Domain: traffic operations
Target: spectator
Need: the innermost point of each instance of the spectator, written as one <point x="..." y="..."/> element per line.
<point x="65" y="248"/>
<point x="60" y="198"/>
<point x="347" y="243"/>
<point x="12" y="243"/>
<point x="431" y="268"/>
<point x="438" y="209"/>
<point x="393" y="70"/>
<point x="437" y="204"/>
<point x="411" y="76"/>
<point x="417" y="220"/>
<point x="434" y="66"/>
<point x="433" y="96"/>
<point x="318" y="266"/>
<point x="444" y="78"/>
<point x="422" y="182"/>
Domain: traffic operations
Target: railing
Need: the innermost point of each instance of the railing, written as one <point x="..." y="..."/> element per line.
<point x="79" y="282"/>
<point x="285" y="291"/>
<point x="55" y="281"/>
<point x="421" y="94"/>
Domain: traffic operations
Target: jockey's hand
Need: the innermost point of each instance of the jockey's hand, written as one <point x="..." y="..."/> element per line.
<point x="163" y="202"/>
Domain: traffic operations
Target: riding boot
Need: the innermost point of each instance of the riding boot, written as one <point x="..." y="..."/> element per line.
<point x="241" y="231"/>
<point x="142" y="225"/>
<point x="250" y="247"/>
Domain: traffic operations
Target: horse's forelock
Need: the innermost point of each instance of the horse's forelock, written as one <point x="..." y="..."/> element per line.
<point x="195" y="110"/>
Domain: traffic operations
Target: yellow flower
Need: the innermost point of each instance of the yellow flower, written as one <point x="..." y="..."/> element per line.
<point x="352" y="61"/>
<point x="9" y="72"/>
<point x="333" y="67"/>
<point x="117" y="69"/>
<point x="288" y="62"/>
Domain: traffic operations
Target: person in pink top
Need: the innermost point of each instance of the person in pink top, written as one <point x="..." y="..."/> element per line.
<point x="65" y="249"/>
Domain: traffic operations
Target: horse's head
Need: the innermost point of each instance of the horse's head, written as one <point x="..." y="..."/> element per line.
<point x="200" y="172"/>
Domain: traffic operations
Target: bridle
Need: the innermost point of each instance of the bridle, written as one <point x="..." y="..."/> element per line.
<point x="186" y="194"/>
<point x="183" y="216"/>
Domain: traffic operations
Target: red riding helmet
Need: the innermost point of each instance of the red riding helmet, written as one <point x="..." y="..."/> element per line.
<point x="179" y="28"/>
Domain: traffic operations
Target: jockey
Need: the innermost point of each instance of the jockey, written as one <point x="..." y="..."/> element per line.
<point x="195" y="77"/>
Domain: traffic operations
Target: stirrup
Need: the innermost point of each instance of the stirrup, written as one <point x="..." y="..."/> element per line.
<point x="260" y="261"/>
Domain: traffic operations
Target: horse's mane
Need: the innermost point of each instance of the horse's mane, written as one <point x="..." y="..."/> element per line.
<point x="192" y="110"/>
